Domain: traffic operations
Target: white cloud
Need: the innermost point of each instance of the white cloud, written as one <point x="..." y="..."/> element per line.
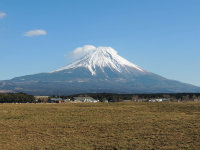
<point x="35" y="33"/>
<point x="81" y="51"/>
<point x="2" y="15"/>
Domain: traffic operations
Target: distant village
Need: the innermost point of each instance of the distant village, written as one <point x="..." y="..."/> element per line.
<point x="119" y="98"/>
<point x="98" y="97"/>
<point x="85" y="100"/>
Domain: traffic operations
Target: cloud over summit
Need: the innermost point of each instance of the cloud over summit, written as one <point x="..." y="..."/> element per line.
<point x="84" y="50"/>
<point x="81" y="51"/>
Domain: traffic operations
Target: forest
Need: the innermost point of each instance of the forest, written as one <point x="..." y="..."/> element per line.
<point x="16" y="98"/>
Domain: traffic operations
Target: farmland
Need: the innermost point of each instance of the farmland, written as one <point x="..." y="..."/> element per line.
<point x="127" y="125"/>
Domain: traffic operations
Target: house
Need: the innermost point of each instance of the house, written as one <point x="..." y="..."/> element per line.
<point x="56" y="100"/>
<point x="158" y="100"/>
<point x="165" y="99"/>
<point x="106" y="101"/>
<point x="151" y="100"/>
<point x="84" y="99"/>
<point x="67" y="100"/>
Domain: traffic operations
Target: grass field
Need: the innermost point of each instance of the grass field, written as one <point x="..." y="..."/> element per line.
<point x="100" y="126"/>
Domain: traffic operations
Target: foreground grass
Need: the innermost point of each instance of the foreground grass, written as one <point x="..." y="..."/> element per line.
<point x="100" y="126"/>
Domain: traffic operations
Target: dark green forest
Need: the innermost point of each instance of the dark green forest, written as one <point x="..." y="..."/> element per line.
<point x="16" y="98"/>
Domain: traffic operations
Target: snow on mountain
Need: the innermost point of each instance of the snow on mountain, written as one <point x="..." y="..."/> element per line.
<point x="102" y="57"/>
<point x="98" y="70"/>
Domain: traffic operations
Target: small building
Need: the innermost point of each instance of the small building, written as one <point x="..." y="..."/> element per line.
<point x="56" y="100"/>
<point x="151" y="100"/>
<point x="67" y="100"/>
<point x="106" y="101"/>
<point x="164" y="99"/>
<point x="158" y="100"/>
<point x="85" y="99"/>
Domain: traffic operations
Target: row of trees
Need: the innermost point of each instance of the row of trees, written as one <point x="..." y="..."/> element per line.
<point x="25" y="98"/>
<point x="16" y="98"/>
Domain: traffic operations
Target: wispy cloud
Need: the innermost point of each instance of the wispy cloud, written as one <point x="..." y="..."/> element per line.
<point x="81" y="51"/>
<point x="35" y="33"/>
<point x="2" y="15"/>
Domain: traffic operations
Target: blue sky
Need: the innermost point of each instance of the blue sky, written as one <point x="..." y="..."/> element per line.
<point x="160" y="36"/>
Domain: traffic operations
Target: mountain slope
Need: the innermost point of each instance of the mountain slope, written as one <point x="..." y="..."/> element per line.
<point x="101" y="70"/>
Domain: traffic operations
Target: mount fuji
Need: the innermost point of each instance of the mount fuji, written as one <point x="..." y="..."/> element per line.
<point x="99" y="70"/>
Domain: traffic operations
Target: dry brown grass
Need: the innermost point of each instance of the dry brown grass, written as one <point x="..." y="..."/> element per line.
<point x="100" y="126"/>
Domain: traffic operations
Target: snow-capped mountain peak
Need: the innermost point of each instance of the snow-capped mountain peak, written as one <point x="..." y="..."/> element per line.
<point x="98" y="70"/>
<point x="102" y="57"/>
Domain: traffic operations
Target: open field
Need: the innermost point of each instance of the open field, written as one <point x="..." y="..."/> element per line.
<point x="126" y="125"/>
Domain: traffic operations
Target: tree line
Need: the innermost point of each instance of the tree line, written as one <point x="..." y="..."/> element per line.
<point x="16" y="98"/>
<point x="112" y="97"/>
